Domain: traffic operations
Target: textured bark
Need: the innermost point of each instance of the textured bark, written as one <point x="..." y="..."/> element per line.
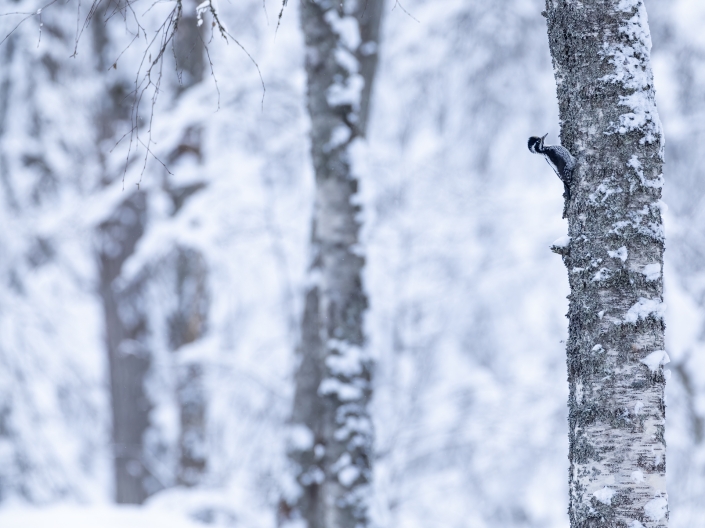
<point x="331" y="429"/>
<point x="129" y="361"/>
<point x="601" y="57"/>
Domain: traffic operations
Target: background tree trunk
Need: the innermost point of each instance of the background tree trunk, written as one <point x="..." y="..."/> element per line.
<point x="601" y="57"/>
<point x="128" y="358"/>
<point x="187" y="324"/>
<point x="332" y="432"/>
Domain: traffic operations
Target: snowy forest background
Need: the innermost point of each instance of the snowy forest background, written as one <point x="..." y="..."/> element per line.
<point x="466" y="319"/>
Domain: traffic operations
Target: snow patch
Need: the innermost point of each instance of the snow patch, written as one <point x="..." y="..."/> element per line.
<point x="346" y="93"/>
<point x="621" y="254"/>
<point x="368" y="48"/>
<point x="562" y="242"/>
<point x="314" y="475"/>
<point x="652" y="271"/>
<point x="631" y="71"/>
<point x="347" y="60"/>
<point x="656" y="508"/>
<point x="604" y="495"/>
<point x="339" y="136"/>
<point x="344" y="391"/>
<point x="345" y="27"/>
<point x="300" y="438"/>
<point x="644" y="308"/>
<point x="94" y="516"/>
<point x="200" y="9"/>
<point x="348" y="361"/>
<point x="638" y="476"/>
<point x="635" y="164"/>
<point x="348" y="475"/>
<point x="346" y="471"/>
<point x="655" y="360"/>
<point x="353" y="425"/>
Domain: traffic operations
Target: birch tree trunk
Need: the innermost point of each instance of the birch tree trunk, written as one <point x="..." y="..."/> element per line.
<point x="601" y="58"/>
<point x="332" y="433"/>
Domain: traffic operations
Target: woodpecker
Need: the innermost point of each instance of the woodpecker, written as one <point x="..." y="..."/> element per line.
<point x="558" y="157"/>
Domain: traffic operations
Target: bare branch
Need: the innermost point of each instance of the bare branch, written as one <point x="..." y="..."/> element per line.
<point x="148" y="75"/>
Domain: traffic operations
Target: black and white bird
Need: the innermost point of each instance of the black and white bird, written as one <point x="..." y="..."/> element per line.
<point x="561" y="161"/>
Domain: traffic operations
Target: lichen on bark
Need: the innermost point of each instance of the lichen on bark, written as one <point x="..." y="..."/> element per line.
<point x="615" y="351"/>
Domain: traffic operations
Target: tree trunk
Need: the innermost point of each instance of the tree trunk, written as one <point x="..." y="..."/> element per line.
<point x="128" y="359"/>
<point x="187" y="324"/>
<point x="601" y="58"/>
<point x="332" y="434"/>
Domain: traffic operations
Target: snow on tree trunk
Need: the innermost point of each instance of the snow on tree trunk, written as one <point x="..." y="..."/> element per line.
<point x="331" y="437"/>
<point x="601" y="57"/>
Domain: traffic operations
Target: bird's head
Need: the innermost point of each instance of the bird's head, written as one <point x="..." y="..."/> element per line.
<point x="536" y="144"/>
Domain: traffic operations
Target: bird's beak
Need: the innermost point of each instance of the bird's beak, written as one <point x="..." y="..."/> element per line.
<point x="544" y="136"/>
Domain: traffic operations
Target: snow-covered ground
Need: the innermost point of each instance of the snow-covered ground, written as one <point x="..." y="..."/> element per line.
<point x="105" y="516"/>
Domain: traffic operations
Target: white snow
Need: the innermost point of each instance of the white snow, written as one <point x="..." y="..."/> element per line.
<point x="638" y="406"/>
<point x="368" y="48"/>
<point x="644" y="308"/>
<point x="346" y="93"/>
<point x="313" y="475"/>
<point x="655" y="360"/>
<point x="656" y="508"/>
<point x="339" y="136"/>
<point x="620" y="253"/>
<point x="354" y="425"/>
<point x="300" y="437"/>
<point x="347" y="60"/>
<point x="652" y="271"/>
<point x="562" y="242"/>
<point x="99" y="516"/>
<point x="348" y="359"/>
<point x="345" y="391"/>
<point x="604" y="495"/>
<point x="200" y="9"/>
<point x="346" y="27"/>
<point x="627" y="60"/>
<point x="348" y="475"/>
<point x="638" y="476"/>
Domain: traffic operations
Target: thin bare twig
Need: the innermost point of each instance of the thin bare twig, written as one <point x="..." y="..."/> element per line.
<point x="148" y="76"/>
<point x="398" y="3"/>
<point x="38" y="12"/>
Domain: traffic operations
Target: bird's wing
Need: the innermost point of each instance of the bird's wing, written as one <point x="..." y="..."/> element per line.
<point x="552" y="166"/>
